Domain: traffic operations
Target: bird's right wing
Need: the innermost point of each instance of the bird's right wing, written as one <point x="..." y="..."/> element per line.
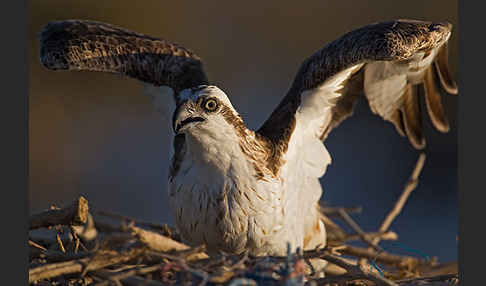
<point x="165" y="68"/>
<point x="95" y="46"/>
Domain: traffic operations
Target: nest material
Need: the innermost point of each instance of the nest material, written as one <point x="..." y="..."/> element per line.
<point x="73" y="246"/>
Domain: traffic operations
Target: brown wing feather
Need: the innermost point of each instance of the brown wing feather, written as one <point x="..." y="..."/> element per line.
<point x="395" y="55"/>
<point x="433" y="102"/>
<point x="345" y="106"/>
<point x="397" y="120"/>
<point x="95" y="46"/>
<point x="412" y="116"/>
<point x="442" y="66"/>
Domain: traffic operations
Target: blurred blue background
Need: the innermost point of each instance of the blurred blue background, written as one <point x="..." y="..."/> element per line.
<point x="94" y="134"/>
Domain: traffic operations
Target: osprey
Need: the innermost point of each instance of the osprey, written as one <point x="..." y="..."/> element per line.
<point x="236" y="189"/>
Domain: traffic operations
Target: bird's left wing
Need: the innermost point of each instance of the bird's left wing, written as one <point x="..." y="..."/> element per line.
<point x="387" y="62"/>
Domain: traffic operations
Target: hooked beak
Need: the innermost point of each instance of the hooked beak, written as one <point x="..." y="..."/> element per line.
<point x="184" y="118"/>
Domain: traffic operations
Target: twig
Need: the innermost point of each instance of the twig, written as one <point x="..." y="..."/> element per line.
<point x="397" y="208"/>
<point x="334" y="232"/>
<point x="59" y="242"/>
<point x="354" y="272"/>
<point x="334" y="211"/>
<point x="180" y="262"/>
<point x="400" y="261"/>
<point x="32" y="243"/>
<point x="241" y="262"/>
<point x="440" y="269"/>
<point x="389" y="235"/>
<point x="164" y="227"/>
<point x="229" y="271"/>
<point x="451" y="278"/>
<point x="358" y="230"/>
<point x="125" y="275"/>
<point x="409" y="187"/>
<point x="114" y="239"/>
<point x="76" y="213"/>
<point x="139" y="281"/>
<point x="77" y="241"/>
<point x="85" y="264"/>
<point x="162" y="243"/>
<point x="54" y="255"/>
<point x="194" y="253"/>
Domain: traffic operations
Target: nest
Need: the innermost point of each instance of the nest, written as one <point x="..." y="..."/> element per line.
<point x="77" y="246"/>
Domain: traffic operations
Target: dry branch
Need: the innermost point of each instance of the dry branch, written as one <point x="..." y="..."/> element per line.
<point x="162" y="243"/>
<point x="138" y="281"/>
<point x="401" y="261"/>
<point x="409" y="187"/>
<point x="397" y="208"/>
<point x="98" y="261"/>
<point x="129" y="277"/>
<point x="440" y="269"/>
<point x="36" y="245"/>
<point x="440" y="280"/>
<point x="389" y="235"/>
<point x="354" y="272"/>
<point x="358" y="230"/>
<point x="334" y="211"/>
<point x="163" y="227"/>
<point x="76" y="213"/>
<point x="334" y="233"/>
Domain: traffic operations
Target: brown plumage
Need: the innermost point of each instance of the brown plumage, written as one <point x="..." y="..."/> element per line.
<point x="412" y="117"/>
<point x="433" y="101"/>
<point x="443" y="70"/>
<point x="95" y="46"/>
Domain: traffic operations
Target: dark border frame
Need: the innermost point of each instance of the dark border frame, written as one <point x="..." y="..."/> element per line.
<point x="15" y="127"/>
<point x="470" y="141"/>
<point x="14" y="124"/>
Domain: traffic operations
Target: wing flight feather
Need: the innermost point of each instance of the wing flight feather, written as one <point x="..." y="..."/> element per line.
<point x="95" y="46"/>
<point x="393" y="59"/>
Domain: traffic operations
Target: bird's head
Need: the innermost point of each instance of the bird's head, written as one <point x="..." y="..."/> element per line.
<point x="204" y="109"/>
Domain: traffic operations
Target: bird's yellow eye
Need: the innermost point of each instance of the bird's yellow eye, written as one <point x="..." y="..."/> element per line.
<point x="211" y="104"/>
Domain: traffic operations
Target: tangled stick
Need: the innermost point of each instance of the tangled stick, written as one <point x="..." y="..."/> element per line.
<point x="82" y="265"/>
<point x="397" y="208"/>
<point x="75" y="214"/>
<point x="162" y="243"/>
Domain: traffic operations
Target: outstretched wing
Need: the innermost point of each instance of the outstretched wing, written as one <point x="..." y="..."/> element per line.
<point x="387" y="62"/>
<point x="95" y="46"/>
<point x="165" y="68"/>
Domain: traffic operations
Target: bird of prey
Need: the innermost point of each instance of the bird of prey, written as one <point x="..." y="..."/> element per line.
<point x="235" y="189"/>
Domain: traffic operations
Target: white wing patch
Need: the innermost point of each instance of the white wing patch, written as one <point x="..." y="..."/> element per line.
<point x="314" y="110"/>
<point x="316" y="103"/>
<point x="385" y="81"/>
<point x="162" y="99"/>
<point x="316" y="158"/>
<point x="164" y="104"/>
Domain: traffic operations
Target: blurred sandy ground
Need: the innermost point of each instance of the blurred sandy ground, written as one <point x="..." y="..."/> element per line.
<point x="94" y="134"/>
